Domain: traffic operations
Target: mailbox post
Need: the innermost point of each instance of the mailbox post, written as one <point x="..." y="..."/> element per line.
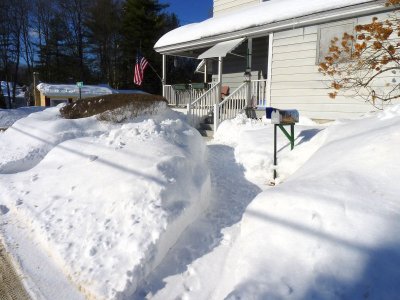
<point x="281" y="118"/>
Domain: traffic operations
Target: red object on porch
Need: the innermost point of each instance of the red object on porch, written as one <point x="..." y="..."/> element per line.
<point x="224" y="91"/>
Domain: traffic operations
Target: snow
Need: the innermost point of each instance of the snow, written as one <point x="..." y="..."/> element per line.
<point x="66" y="90"/>
<point x="5" y="86"/>
<point x="333" y="223"/>
<point x="144" y="209"/>
<point x="264" y="13"/>
<point x="328" y="230"/>
<point x="105" y="201"/>
<point x="9" y="116"/>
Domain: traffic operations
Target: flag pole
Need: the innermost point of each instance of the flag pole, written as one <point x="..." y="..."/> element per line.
<point x="148" y="62"/>
<point x="154" y="70"/>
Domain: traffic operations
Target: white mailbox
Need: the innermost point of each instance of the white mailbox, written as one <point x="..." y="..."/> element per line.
<point x="287" y="116"/>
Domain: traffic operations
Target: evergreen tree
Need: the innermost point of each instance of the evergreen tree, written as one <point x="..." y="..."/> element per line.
<point x="53" y="55"/>
<point x="104" y="38"/>
<point x="75" y="13"/>
<point x="144" y="22"/>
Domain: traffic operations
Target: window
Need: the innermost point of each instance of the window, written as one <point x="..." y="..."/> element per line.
<point x="326" y="33"/>
<point x="55" y="102"/>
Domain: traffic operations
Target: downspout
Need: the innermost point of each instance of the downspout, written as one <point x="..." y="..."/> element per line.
<point x="269" y="74"/>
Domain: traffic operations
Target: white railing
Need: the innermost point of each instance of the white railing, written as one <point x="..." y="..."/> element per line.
<point x="169" y="94"/>
<point x="259" y="92"/>
<point x="203" y="105"/>
<point x="183" y="97"/>
<point x="231" y="105"/>
<point x="177" y="97"/>
<point x="200" y="102"/>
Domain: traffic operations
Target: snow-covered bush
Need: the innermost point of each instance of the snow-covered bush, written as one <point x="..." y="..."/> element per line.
<point x="104" y="106"/>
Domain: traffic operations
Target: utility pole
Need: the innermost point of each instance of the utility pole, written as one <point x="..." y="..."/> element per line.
<point x="36" y="94"/>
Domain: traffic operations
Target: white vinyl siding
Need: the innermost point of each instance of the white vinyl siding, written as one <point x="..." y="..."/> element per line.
<point x="223" y="6"/>
<point x="296" y="82"/>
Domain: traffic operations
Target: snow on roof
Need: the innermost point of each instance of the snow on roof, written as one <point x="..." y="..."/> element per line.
<point x="261" y="14"/>
<point x="72" y="90"/>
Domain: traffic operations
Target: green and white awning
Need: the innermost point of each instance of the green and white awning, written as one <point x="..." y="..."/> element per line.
<point x="221" y="49"/>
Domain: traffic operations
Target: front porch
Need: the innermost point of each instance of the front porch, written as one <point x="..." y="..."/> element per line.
<point x="238" y="82"/>
<point x="201" y="99"/>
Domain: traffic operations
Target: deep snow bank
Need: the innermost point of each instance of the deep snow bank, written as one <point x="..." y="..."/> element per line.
<point x="10" y="116"/>
<point x="254" y="146"/>
<point x="331" y="230"/>
<point x="105" y="200"/>
<point x="26" y="143"/>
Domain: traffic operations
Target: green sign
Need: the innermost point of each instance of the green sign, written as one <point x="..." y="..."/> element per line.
<point x="79" y="84"/>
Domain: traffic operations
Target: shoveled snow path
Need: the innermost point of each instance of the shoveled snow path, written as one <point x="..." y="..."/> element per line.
<point x="180" y="275"/>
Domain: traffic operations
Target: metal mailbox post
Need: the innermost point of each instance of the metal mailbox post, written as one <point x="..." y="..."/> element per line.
<point x="281" y="118"/>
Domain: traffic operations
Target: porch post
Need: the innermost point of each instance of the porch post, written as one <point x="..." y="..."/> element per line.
<point x="218" y="96"/>
<point x="269" y="65"/>
<point x="164" y="73"/>
<point x="220" y="65"/>
<point x="249" y="52"/>
<point x="205" y="70"/>
<point x="248" y="71"/>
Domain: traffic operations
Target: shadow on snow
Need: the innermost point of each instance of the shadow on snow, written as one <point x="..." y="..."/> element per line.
<point x="231" y="194"/>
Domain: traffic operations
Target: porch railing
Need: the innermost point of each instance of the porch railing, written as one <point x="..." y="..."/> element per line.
<point x="259" y="92"/>
<point x="236" y="102"/>
<point x="231" y="105"/>
<point x="203" y="105"/>
<point x="182" y="97"/>
<point x="200" y="102"/>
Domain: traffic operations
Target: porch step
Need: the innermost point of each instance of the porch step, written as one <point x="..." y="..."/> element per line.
<point x="206" y="133"/>
<point x="206" y="130"/>
<point x="207" y="126"/>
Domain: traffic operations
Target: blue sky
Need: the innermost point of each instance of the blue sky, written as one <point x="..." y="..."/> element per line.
<point x="190" y="11"/>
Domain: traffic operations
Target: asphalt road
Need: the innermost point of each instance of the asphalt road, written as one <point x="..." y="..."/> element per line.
<point x="11" y="287"/>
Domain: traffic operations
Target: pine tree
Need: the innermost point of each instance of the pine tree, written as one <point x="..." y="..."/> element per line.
<point x="143" y="23"/>
<point x="104" y="39"/>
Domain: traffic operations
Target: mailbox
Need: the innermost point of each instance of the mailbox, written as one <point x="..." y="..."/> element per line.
<point x="268" y="111"/>
<point x="280" y="118"/>
<point x="284" y="116"/>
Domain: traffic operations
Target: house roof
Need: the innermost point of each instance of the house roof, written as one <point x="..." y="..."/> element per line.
<point x="66" y="90"/>
<point x="71" y="90"/>
<point x="265" y="17"/>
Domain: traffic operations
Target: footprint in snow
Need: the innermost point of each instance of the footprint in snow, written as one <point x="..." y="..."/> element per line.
<point x="35" y="177"/>
<point x="19" y="202"/>
<point x="4" y="209"/>
<point x="286" y="283"/>
<point x="93" y="157"/>
<point x="93" y="251"/>
<point x="317" y="220"/>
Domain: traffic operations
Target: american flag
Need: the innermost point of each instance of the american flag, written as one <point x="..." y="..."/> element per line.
<point x="141" y="64"/>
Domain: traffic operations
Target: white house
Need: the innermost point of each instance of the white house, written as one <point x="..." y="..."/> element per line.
<point x="280" y="43"/>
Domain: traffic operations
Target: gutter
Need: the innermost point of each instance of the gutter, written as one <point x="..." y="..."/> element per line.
<point x="309" y="20"/>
